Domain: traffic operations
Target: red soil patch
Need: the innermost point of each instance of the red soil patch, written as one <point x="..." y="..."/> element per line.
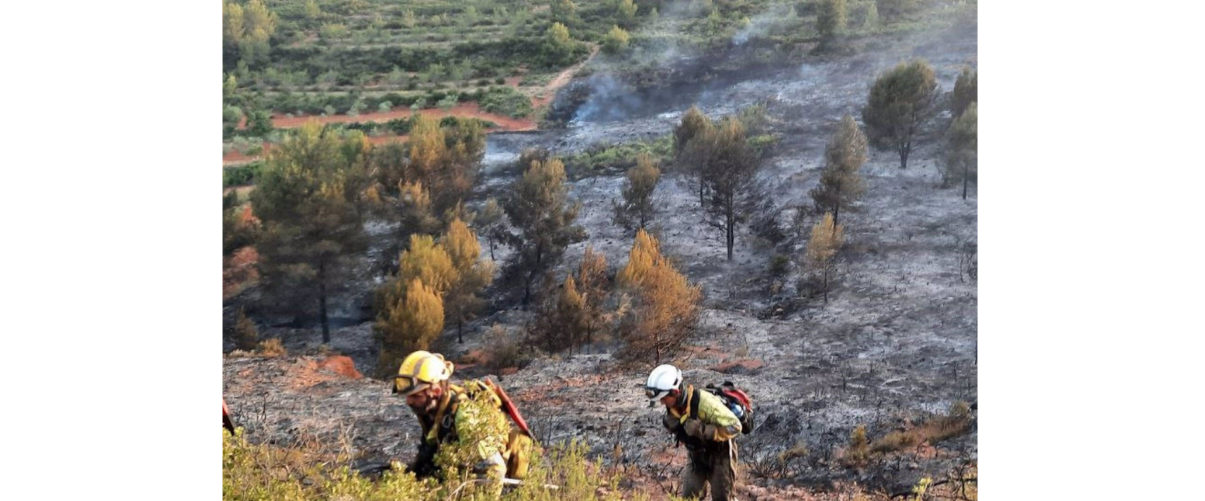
<point x="460" y="110"/>
<point x="342" y="365"/>
<point x="739" y="366"/>
<point x="306" y="373"/>
<point x="234" y="157"/>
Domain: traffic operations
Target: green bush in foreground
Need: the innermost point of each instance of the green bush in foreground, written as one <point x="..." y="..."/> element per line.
<point x="266" y="472"/>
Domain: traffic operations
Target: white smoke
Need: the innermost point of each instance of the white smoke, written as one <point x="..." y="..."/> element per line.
<point x="770" y="21"/>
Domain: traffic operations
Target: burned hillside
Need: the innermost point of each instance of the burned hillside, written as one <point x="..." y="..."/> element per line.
<point x="891" y="348"/>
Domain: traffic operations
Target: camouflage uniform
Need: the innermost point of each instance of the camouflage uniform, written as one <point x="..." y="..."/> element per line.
<point x="706" y="426"/>
<point x="453" y="418"/>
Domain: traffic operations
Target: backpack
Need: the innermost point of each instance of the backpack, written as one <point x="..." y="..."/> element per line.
<point x="737" y="401"/>
<point x="520" y="444"/>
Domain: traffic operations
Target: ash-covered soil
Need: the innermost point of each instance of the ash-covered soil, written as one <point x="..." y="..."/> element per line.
<point x="895" y="344"/>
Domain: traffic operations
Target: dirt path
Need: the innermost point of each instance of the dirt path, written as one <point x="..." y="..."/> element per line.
<point x="561" y="80"/>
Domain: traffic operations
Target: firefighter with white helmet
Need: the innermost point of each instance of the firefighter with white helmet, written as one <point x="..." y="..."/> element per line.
<point x="701" y="421"/>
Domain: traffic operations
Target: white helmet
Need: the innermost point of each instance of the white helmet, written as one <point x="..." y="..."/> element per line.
<point x="662" y="380"/>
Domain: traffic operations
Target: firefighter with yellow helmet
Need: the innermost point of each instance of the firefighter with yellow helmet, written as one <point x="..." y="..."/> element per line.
<point x="424" y="380"/>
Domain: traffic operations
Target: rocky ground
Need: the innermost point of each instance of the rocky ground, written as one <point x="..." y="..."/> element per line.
<point x="895" y="345"/>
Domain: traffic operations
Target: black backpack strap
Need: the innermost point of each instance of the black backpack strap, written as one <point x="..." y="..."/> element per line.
<point x="694" y="404"/>
<point x="445" y="420"/>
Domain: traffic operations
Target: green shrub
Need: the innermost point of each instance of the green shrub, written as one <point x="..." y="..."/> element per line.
<point x="616" y="41"/>
<point x="241" y="175"/>
<point x="605" y="158"/>
<point x="779" y="264"/>
<point x="507" y="101"/>
<point x="448" y="101"/>
<point x="306" y="471"/>
<point x="761" y="144"/>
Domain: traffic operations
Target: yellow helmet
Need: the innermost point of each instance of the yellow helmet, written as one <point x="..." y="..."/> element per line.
<point x="420" y="370"/>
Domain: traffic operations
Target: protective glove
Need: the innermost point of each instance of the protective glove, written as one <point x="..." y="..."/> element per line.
<point x="423" y="465"/>
<point x="489" y="464"/>
<point x="670" y="422"/>
<point x="698" y="429"/>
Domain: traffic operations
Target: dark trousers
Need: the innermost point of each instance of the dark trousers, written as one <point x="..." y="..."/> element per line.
<point x="715" y="465"/>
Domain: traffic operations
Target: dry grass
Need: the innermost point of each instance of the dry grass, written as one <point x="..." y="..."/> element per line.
<point x="858" y="452"/>
<point x="272" y="348"/>
<point x="931" y="432"/>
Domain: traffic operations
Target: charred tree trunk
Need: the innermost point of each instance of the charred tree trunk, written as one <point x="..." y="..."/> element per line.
<point x="326" y="329"/>
<point x="826" y="280"/>
<point x="730" y="222"/>
<point x="965" y="174"/>
<point x="535" y="268"/>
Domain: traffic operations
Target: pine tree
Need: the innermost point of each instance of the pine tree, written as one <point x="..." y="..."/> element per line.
<point x="428" y="151"/>
<point x="390" y="163"/>
<point x="730" y="174"/>
<point x="593" y="284"/>
<point x="688" y="157"/>
<point x="413" y="317"/>
<point x="900" y="102"/>
<point x="410" y="207"/>
<point x="561" y="322"/>
<point x="233" y="27"/>
<point x="423" y="183"/>
<point x="625" y="12"/>
<point x="830" y="20"/>
<point x="563" y="12"/>
<point x="637" y="208"/>
<point x="308" y="199"/>
<point x="538" y="205"/>
<point x="473" y="274"/>
<point x="826" y="239"/>
<point x="840" y="184"/>
<point x="666" y="304"/>
<point x="962" y="147"/>
<point x="615" y="41"/>
<point x="428" y="262"/>
<point x="966" y="90"/>
<point x="558" y="46"/>
<point x="493" y="227"/>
